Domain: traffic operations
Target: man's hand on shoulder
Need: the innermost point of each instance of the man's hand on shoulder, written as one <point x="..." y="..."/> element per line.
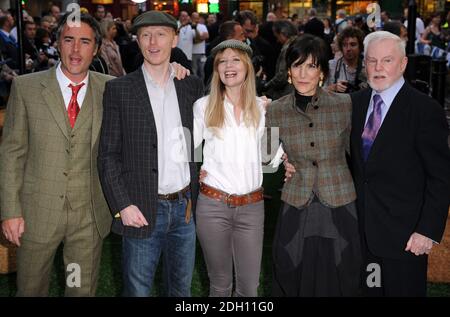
<point x="180" y="71"/>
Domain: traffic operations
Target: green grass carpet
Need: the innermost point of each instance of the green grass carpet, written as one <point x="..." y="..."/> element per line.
<point x="110" y="280"/>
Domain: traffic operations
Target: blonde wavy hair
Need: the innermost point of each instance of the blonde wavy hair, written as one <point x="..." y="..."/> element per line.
<point x="215" y="112"/>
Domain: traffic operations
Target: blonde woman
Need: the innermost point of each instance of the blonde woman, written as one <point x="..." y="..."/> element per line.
<point x="109" y="50"/>
<point x="230" y="208"/>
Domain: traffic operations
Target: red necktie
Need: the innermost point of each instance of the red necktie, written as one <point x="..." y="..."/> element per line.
<point x="74" y="108"/>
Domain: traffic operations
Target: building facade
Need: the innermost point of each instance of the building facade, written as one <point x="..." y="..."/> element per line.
<point x="126" y="9"/>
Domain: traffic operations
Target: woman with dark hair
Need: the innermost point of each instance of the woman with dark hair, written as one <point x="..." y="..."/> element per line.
<point x="316" y="249"/>
<point x="433" y="35"/>
<point x="328" y="31"/>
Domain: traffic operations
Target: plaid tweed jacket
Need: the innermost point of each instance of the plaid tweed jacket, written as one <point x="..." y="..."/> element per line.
<point x="316" y="142"/>
<point x="128" y="153"/>
<point x="36" y="150"/>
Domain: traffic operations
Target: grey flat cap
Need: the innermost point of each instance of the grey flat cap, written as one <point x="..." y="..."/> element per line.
<point x="235" y="44"/>
<point x="154" y="18"/>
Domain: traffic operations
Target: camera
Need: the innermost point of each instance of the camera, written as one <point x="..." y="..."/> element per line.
<point x="351" y="88"/>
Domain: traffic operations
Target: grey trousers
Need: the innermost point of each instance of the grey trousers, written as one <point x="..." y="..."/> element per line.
<point x="231" y="236"/>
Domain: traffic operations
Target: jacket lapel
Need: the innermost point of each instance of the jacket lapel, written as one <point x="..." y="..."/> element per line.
<point x="86" y="108"/>
<point x="180" y="89"/>
<point x="55" y="101"/>
<point x="140" y="89"/>
<point x="361" y="121"/>
<point x="97" y="107"/>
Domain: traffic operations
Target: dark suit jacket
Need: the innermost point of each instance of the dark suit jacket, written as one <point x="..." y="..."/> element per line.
<point x="128" y="154"/>
<point x="9" y="52"/>
<point x="404" y="186"/>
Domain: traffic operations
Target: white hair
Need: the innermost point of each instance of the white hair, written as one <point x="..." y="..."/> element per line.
<point x="312" y="12"/>
<point x="384" y="35"/>
<point x="341" y="13"/>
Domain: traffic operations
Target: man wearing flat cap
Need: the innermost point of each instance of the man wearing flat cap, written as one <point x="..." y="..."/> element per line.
<point x="146" y="162"/>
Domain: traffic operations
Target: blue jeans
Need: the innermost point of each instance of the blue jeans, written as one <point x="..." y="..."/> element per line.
<point x="172" y="237"/>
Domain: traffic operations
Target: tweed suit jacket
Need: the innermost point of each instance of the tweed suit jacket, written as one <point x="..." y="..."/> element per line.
<point x="33" y="154"/>
<point x="128" y="155"/>
<point x="316" y="142"/>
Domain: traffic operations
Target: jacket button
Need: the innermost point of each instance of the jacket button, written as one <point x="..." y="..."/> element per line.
<point x="61" y="196"/>
<point x="65" y="173"/>
<point x="311" y="125"/>
<point x="312" y="144"/>
<point x="314" y="163"/>
<point x="154" y="146"/>
<point x="154" y="170"/>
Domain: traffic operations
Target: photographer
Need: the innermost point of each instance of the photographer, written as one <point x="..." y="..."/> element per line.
<point x="347" y="74"/>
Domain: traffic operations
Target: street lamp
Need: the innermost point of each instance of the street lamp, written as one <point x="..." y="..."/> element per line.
<point x="19" y="25"/>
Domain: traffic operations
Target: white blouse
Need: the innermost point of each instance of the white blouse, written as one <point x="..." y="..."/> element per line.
<point x="232" y="160"/>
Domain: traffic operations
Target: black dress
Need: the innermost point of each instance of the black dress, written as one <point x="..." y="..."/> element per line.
<point x="316" y="249"/>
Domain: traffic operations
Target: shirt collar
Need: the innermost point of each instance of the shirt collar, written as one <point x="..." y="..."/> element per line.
<point x="65" y="82"/>
<point x="389" y="94"/>
<point x="4" y="32"/>
<point x="148" y="78"/>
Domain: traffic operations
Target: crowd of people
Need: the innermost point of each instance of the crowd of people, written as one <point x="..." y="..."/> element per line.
<point x="103" y="135"/>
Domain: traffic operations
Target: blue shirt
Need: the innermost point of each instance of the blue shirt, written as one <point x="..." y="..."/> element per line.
<point x="388" y="96"/>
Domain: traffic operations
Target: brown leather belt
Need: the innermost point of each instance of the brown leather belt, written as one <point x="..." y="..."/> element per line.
<point x="230" y="199"/>
<point x="175" y="196"/>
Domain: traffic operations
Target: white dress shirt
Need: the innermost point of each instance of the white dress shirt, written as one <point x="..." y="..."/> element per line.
<point x="173" y="163"/>
<point x="232" y="160"/>
<point x="66" y="91"/>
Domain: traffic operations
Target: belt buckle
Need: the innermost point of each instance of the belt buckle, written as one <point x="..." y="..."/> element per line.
<point x="228" y="201"/>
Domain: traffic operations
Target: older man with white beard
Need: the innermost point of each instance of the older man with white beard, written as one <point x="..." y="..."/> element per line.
<point x="401" y="168"/>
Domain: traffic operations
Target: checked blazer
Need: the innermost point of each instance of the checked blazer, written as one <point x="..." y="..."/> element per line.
<point x="316" y="142"/>
<point x="37" y="152"/>
<point x="128" y="154"/>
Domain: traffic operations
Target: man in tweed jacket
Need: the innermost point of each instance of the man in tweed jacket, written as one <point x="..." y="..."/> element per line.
<point x="49" y="185"/>
<point x="149" y="179"/>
